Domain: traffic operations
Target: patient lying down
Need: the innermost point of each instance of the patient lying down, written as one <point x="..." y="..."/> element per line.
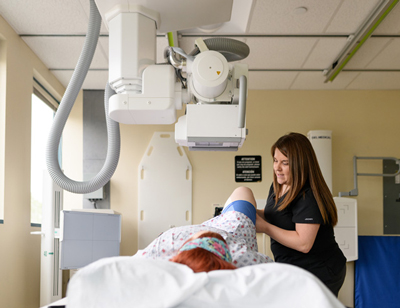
<point x="204" y="252"/>
<point x="227" y="241"/>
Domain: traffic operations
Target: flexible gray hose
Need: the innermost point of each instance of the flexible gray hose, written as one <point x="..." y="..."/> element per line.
<point x="231" y="49"/>
<point x="64" y="110"/>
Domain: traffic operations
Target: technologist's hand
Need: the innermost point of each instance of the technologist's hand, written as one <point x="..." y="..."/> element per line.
<point x="260" y="222"/>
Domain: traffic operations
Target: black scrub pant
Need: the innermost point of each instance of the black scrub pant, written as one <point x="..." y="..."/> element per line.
<point x="335" y="283"/>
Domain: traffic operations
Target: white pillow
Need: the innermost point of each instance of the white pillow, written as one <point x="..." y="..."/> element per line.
<point x="272" y="285"/>
<point x="132" y="282"/>
<point x="137" y="282"/>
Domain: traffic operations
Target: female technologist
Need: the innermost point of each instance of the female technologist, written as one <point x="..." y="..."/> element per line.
<point x="300" y="213"/>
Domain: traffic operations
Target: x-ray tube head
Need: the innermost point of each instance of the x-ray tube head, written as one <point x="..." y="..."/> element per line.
<point x="210" y="72"/>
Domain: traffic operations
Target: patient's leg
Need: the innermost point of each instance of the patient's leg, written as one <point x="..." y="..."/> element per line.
<point x="241" y="193"/>
<point x="242" y="200"/>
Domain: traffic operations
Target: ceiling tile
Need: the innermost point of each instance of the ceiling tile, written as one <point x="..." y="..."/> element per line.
<point x="45" y="17"/>
<point x="391" y="24"/>
<point x="278" y="17"/>
<point x="316" y="81"/>
<point x="376" y="81"/>
<point x="388" y="58"/>
<point x="351" y="15"/>
<point x="278" y="53"/>
<point x="86" y="7"/>
<point x="68" y="49"/>
<point x="284" y="50"/>
<point x="95" y="80"/>
<point x="367" y="52"/>
<point x="103" y="46"/>
<point x="325" y="52"/>
<point x="270" y="80"/>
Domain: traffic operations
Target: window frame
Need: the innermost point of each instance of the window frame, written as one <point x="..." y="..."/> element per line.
<point x="47" y="98"/>
<point x="3" y="65"/>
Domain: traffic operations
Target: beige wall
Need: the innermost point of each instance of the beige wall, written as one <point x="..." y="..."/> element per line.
<point x="20" y="251"/>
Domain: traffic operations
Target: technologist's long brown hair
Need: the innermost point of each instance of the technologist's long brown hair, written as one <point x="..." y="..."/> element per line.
<point x="303" y="166"/>
<point x="201" y="260"/>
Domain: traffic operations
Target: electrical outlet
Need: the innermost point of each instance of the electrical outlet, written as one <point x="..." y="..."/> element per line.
<point x="216" y="209"/>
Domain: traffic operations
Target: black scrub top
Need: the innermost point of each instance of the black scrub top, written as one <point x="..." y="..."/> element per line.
<point x="325" y="257"/>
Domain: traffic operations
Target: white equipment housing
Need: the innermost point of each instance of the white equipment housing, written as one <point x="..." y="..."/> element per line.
<point x="150" y="94"/>
<point x="209" y="125"/>
<point x="346" y="230"/>
<point x="321" y="141"/>
<point x="154" y="105"/>
<point x="87" y="236"/>
<point x="132" y="41"/>
<point x="217" y="133"/>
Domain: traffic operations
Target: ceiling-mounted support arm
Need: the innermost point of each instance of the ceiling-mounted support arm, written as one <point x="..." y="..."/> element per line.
<point x="354" y="192"/>
<point x="242" y="100"/>
<point x="355" y="41"/>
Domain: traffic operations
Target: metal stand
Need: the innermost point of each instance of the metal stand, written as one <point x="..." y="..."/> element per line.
<point x="354" y="192"/>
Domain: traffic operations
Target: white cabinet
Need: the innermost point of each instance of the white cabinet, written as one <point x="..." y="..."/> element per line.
<point x="346" y="231"/>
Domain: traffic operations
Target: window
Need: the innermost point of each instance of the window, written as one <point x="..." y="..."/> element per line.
<point x="41" y="121"/>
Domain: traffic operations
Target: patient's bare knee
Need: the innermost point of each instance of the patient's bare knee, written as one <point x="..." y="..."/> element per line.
<point x="243" y="193"/>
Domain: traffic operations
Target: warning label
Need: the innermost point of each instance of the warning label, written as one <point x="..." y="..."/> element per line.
<point x="248" y="168"/>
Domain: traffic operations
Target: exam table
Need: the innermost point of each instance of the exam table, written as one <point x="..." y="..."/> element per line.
<point x="137" y="282"/>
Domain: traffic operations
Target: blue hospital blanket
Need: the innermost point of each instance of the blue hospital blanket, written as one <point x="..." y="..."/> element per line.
<point x="377" y="272"/>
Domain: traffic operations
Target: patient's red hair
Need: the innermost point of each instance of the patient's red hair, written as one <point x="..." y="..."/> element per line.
<point x="201" y="260"/>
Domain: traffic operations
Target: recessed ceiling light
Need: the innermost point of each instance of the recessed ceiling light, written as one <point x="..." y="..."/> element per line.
<point x="300" y="10"/>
